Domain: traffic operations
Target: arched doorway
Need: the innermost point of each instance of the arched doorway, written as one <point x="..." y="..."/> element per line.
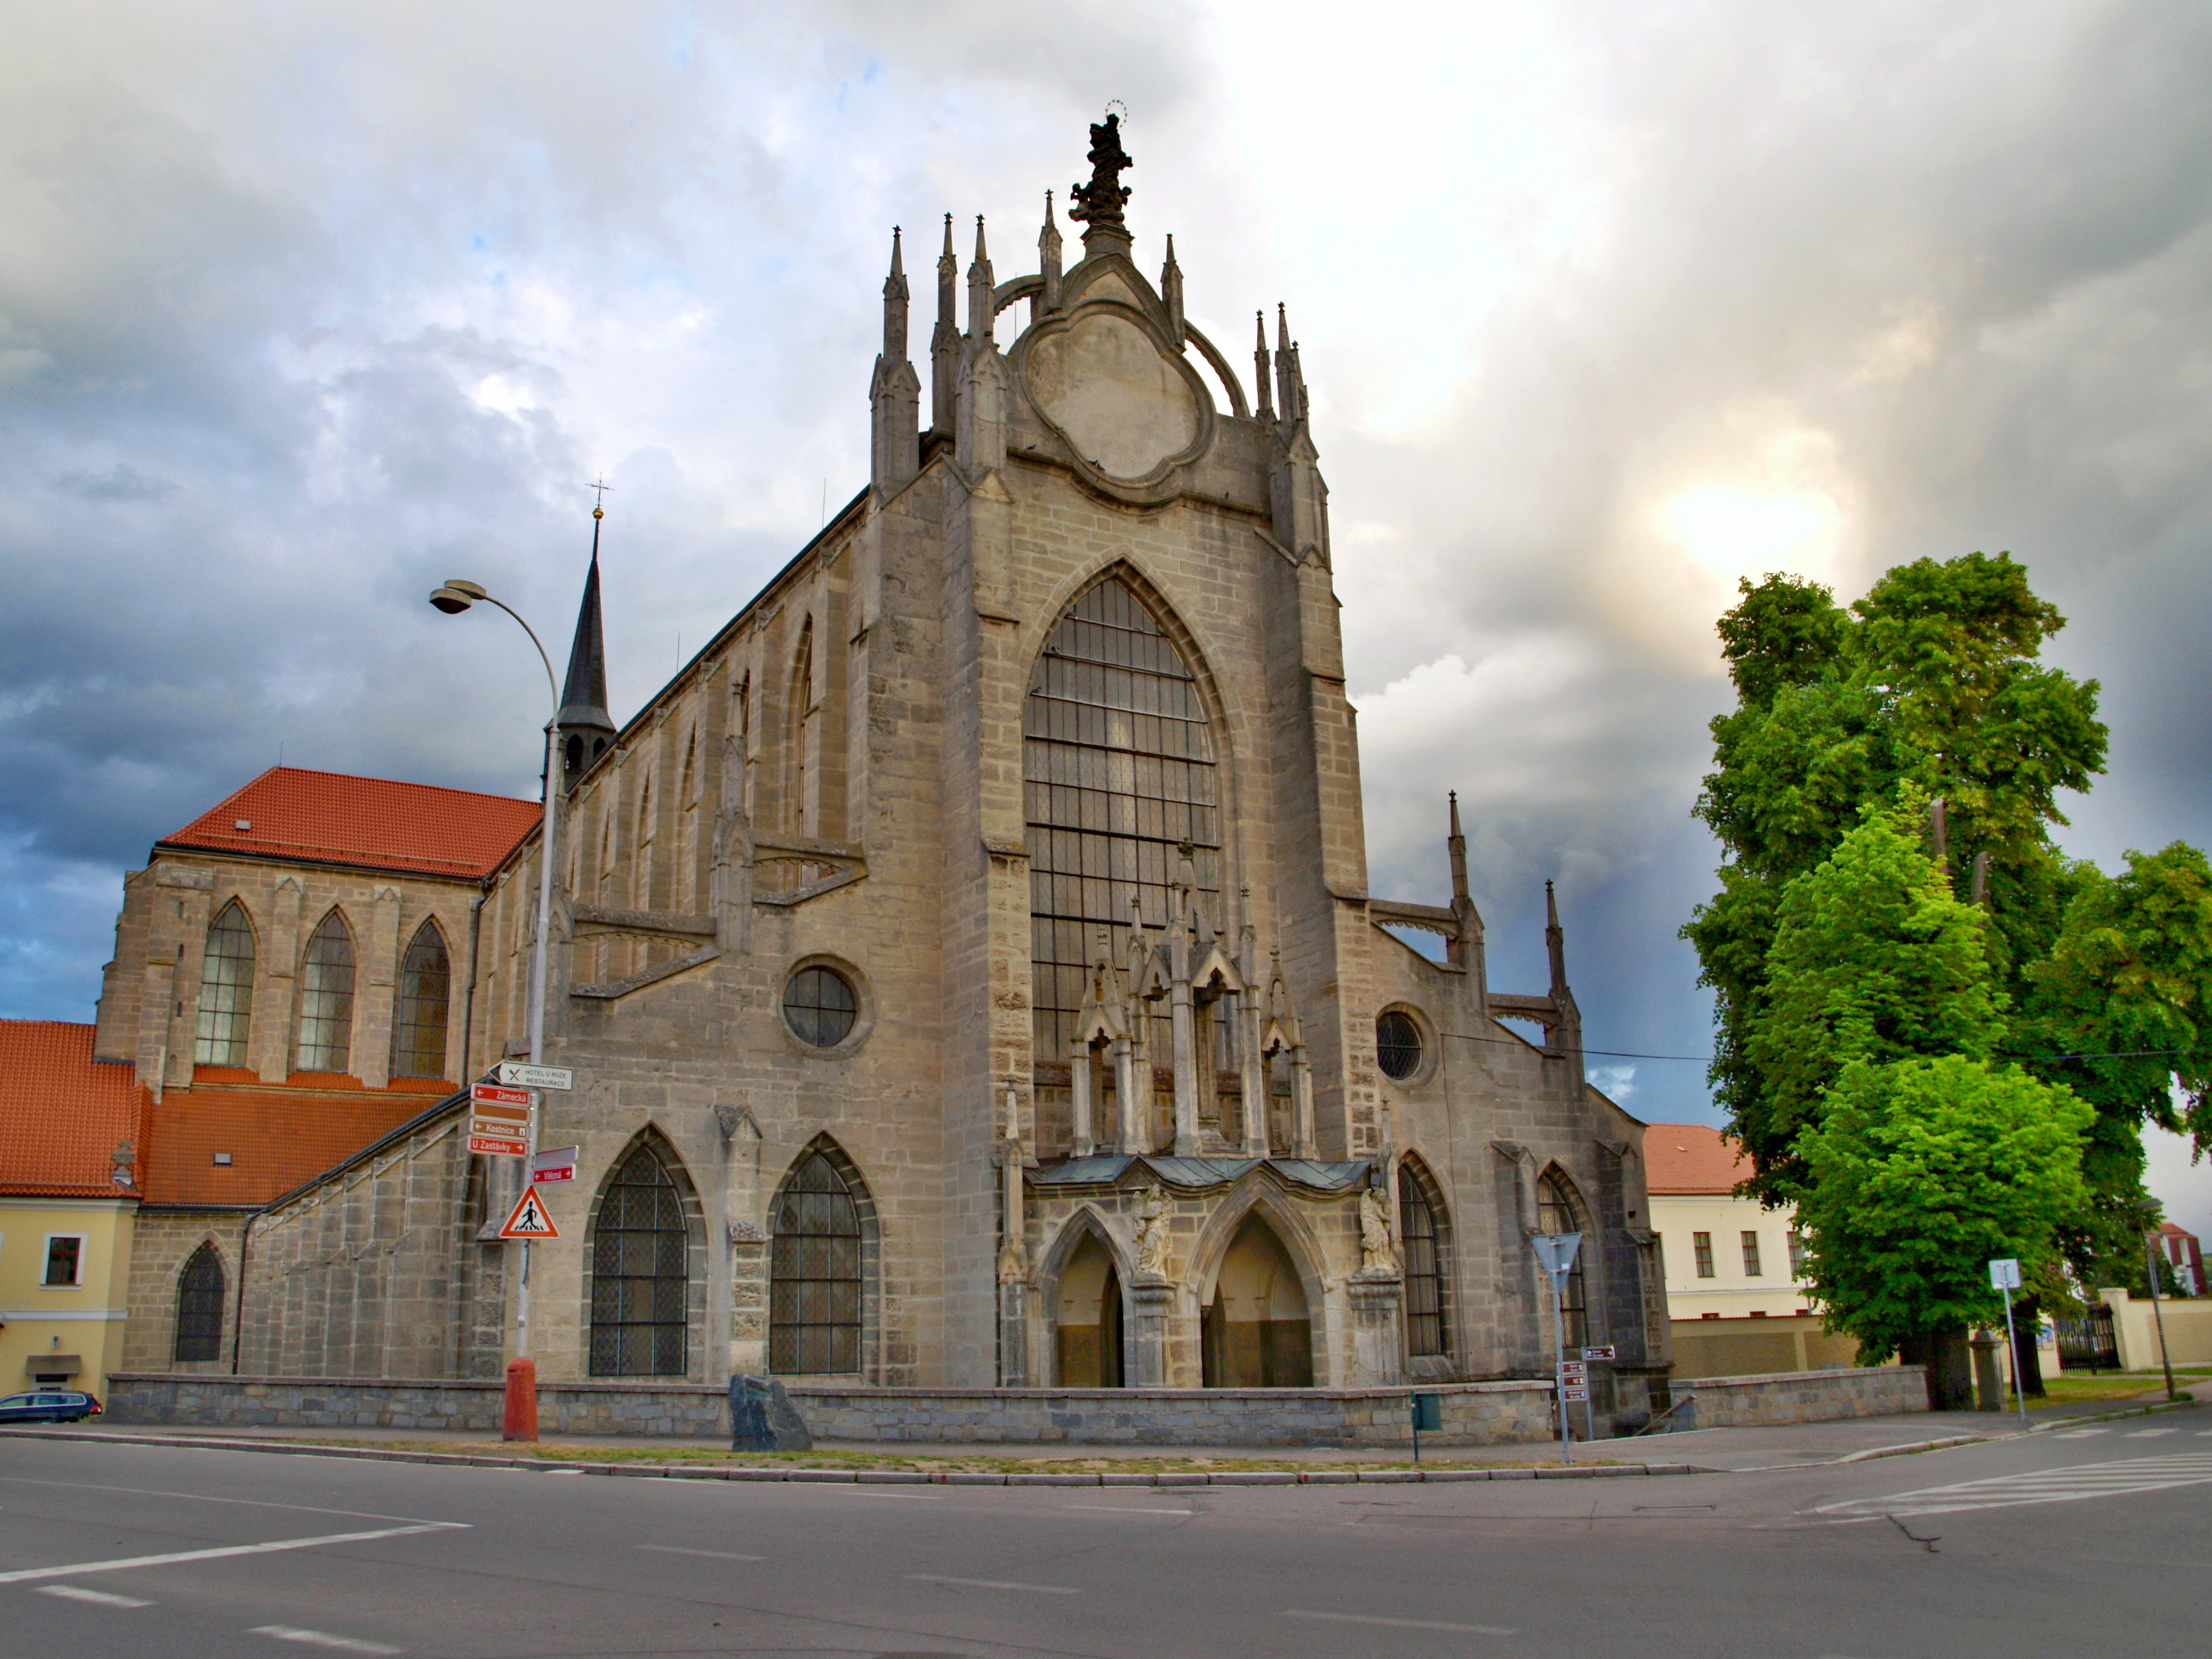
<point x="1257" y="1332"/>
<point x="1087" y="1319"/>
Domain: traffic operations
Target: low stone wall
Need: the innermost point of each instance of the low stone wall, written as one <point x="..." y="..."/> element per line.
<point x="1741" y="1403"/>
<point x="1474" y="1413"/>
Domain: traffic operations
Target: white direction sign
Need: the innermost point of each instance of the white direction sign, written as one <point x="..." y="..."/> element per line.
<point x="517" y="1075"/>
<point x="529" y="1219"/>
<point x="1573" y="1392"/>
<point x="1604" y="1353"/>
<point x="2004" y="1274"/>
<point x="558" y="1164"/>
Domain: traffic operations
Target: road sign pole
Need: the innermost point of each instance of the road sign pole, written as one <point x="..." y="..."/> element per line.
<point x="2012" y="1352"/>
<point x="1559" y="1366"/>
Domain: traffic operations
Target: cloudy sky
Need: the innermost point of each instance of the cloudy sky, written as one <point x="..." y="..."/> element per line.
<point x="304" y="309"/>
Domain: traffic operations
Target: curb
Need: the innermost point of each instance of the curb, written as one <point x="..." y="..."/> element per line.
<point x="871" y="1476"/>
<point x="2047" y="1426"/>
<point x="2150" y="1409"/>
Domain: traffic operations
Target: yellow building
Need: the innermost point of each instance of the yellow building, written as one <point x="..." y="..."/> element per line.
<point x="71" y="1128"/>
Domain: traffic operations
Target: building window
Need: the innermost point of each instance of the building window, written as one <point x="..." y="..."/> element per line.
<point x="418" y="1033"/>
<point x="326" y="998"/>
<point x="1421" y="1215"/>
<point x="64" y="1259"/>
<point x="814" y="1275"/>
<point x="819" y="1007"/>
<point x="1119" y="779"/>
<point x="641" y="1271"/>
<point x="199" y="1306"/>
<point x="226" y="990"/>
<point x="1751" y="1256"/>
<point x="1557" y="1212"/>
<point x="1796" y="1241"/>
<point x="1397" y="1045"/>
<point x="1701" y="1244"/>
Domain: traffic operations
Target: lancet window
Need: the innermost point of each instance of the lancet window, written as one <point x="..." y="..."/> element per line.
<point x="1421" y="1241"/>
<point x="199" y="1306"/>
<point x="226" y="1011"/>
<point x="641" y="1271"/>
<point x="814" y="1273"/>
<point x="1119" y="773"/>
<point x="326" y="998"/>
<point x="418" y="1027"/>
<point x="1557" y="1212"/>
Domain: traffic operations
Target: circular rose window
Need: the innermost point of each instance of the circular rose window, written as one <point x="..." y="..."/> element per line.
<point x="819" y="1007"/>
<point x="1397" y="1045"/>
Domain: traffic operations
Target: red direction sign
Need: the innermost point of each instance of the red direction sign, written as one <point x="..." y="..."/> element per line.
<point x="491" y="1094"/>
<point x="558" y="1164"/>
<point x="498" y="1121"/>
<point x="529" y="1219"/>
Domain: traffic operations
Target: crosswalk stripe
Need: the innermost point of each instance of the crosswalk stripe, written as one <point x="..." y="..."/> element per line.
<point x="2147" y="1434"/>
<point x="2133" y="1474"/>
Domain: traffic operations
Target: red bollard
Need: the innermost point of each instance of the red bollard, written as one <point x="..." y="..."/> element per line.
<point x="520" y="1419"/>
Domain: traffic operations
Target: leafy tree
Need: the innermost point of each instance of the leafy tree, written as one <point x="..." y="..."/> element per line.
<point x="1922" y="1171"/>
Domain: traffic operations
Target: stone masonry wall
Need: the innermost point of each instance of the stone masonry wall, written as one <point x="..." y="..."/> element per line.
<point x="1743" y="1403"/>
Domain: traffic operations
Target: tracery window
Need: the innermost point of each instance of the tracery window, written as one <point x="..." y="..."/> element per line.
<point x="1420" y="1229"/>
<point x="641" y="1271"/>
<point x="418" y="1027"/>
<point x="226" y="1011"/>
<point x="814" y="1273"/>
<point x="1557" y="1212"/>
<point x="1120" y="774"/>
<point x="326" y="998"/>
<point x="199" y="1306"/>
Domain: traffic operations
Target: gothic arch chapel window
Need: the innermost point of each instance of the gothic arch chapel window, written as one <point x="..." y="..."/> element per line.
<point x="418" y="1027"/>
<point x="641" y="1271"/>
<point x="1120" y="772"/>
<point x="226" y="1011"/>
<point x="200" y="1308"/>
<point x="1421" y="1240"/>
<point x="326" y="998"/>
<point x="1559" y="1210"/>
<point x="814" y="1273"/>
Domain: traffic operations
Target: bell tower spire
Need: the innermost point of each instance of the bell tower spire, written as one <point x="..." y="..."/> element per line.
<point x="586" y="727"/>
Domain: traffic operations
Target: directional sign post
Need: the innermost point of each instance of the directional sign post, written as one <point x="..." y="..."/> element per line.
<point x="558" y="1164"/>
<point x="498" y="1121"/>
<point x="2004" y="1275"/>
<point x="1555" y="1255"/>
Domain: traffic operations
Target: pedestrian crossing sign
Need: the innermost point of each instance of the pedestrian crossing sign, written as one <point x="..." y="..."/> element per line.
<point x="529" y="1219"/>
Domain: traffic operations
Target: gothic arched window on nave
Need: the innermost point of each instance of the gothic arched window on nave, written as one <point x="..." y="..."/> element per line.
<point x="641" y="1271"/>
<point x="1557" y="1212"/>
<point x="418" y="1027"/>
<point x="1421" y="1238"/>
<point x="1119" y="772"/>
<point x="199" y="1306"/>
<point x="226" y="1013"/>
<point x="327" y="999"/>
<point x="814" y="1275"/>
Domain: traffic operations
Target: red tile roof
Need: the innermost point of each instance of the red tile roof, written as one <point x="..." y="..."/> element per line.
<point x="1692" y="1157"/>
<point x="375" y="823"/>
<point x="277" y="1137"/>
<point x="63" y="1113"/>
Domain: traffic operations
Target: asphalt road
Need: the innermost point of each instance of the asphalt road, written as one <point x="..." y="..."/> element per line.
<point x="2092" y="1544"/>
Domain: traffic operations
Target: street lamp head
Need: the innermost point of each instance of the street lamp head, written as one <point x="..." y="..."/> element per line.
<point x="456" y="596"/>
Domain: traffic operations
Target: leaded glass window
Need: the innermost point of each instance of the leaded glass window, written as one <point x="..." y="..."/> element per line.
<point x="226" y="1011"/>
<point x="814" y="1275"/>
<point x="1397" y="1045"/>
<point x="819" y="1007"/>
<point x="1419" y="1237"/>
<point x="326" y="998"/>
<point x="199" y="1306"/>
<point x="641" y="1272"/>
<point x="1120" y="774"/>
<point x="418" y="1032"/>
<point x="1557" y="1212"/>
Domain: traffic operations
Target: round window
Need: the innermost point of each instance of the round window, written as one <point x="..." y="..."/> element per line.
<point x="1397" y="1045"/>
<point x="819" y="1007"/>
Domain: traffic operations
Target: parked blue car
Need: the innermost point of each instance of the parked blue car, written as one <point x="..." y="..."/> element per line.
<point x="48" y="1405"/>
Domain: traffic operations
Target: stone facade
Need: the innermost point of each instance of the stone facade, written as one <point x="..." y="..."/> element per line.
<point x="914" y="768"/>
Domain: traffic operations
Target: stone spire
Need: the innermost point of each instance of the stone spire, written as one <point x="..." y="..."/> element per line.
<point x="1171" y="291"/>
<point x="1467" y="948"/>
<point x="1286" y="382"/>
<point x="1098" y="203"/>
<point x="586" y="727"/>
<point x="895" y="394"/>
<point x="1555" y="940"/>
<point x="982" y="310"/>
<point x="945" y="339"/>
<point x="1263" y="374"/>
<point x="1048" y="259"/>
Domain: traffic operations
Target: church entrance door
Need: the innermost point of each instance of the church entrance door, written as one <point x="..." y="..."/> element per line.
<point x="1257" y="1332"/>
<point x="1087" y="1322"/>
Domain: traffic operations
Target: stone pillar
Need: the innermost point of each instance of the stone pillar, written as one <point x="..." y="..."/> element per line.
<point x="1132" y="1101"/>
<point x="1183" y="1023"/>
<point x="1145" y="1338"/>
<point x="1377" y="1346"/>
<point x="1988" y="1386"/>
<point x="1081" y="1073"/>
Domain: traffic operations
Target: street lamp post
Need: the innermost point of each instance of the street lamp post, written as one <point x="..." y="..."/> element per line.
<point x="520" y="1417"/>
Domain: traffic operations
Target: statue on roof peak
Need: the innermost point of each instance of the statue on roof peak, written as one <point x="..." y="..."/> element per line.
<point x="1099" y="202"/>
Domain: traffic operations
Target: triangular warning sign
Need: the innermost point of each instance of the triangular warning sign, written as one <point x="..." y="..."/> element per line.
<point x="529" y="1219"/>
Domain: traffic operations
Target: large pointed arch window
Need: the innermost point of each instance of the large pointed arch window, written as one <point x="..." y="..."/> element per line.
<point x="326" y="998"/>
<point x="226" y="990"/>
<point x="1557" y="1212"/>
<point x="814" y="1275"/>
<point x="1120" y="774"/>
<point x="200" y="1308"/>
<point x="1422" y="1237"/>
<point x="641" y="1271"/>
<point x="418" y="1029"/>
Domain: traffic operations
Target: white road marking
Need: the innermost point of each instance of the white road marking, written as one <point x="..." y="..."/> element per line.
<point x="1398" y="1623"/>
<point x="96" y="1598"/>
<point x="2147" y="1434"/>
<point x="711" y="1555"/>
<point x="321" y="1639"/>
<point x="25" y="1574"/>
<point x="1124" y="1509"/>
<point x="2080" y="1434"/>
<point x="2060" y="1485"/>
<point x="871" y="1491"/>
<point x="202" y="1498"/>
<point x="993" y="1583"/>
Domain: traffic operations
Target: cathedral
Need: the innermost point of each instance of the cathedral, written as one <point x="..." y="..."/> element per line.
<point x="966" y="963"/>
